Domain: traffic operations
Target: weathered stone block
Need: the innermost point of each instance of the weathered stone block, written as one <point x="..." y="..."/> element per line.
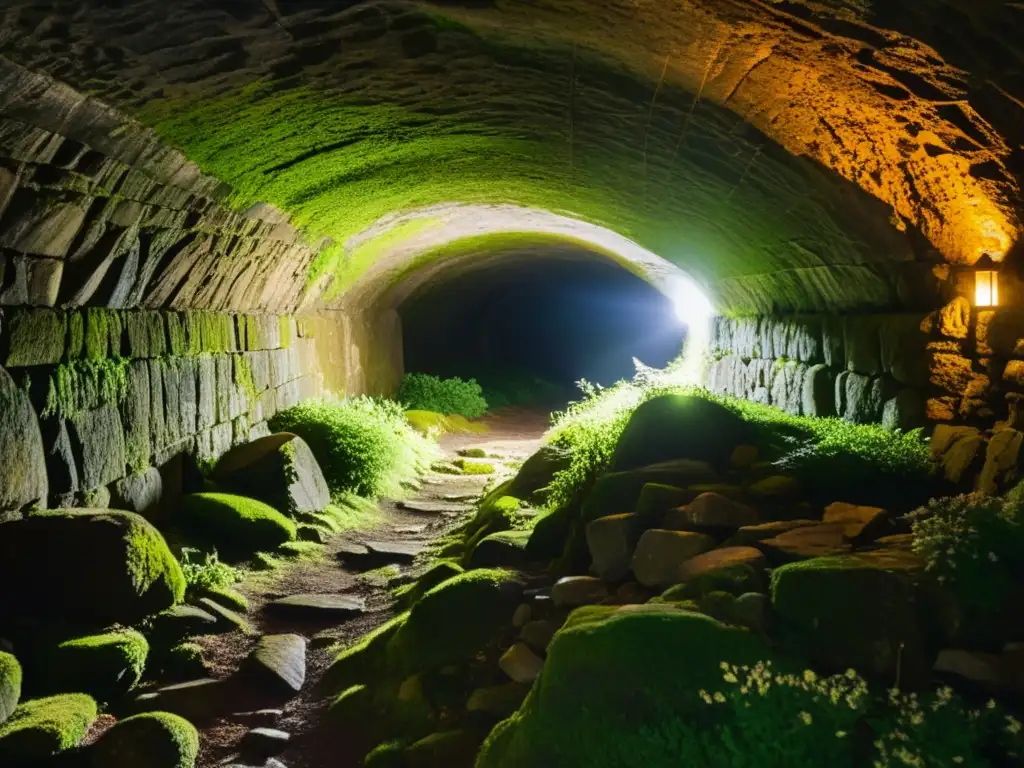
<point x="804" y="341"/>
<point x="941" y="408"/>
<point x="904" y="411"/>
<point x="97" y="438"/>
<point x="171" y="379"/>
<point x="1001" y="460"/>
<point x="950" y="372"/>
<point x="288" y="395"/>
<point x="954" y="320"/>
<point x="23" y="477"/>
<point x="817" y="397"/>
<point x="61" y="467"/>
<point x="833" y="345"/>
<point x="259" y="362"/>
<point x="136" y="416"/>
<point x="206" y="374"/>
<point x="862" y="338"/>
<point x="157" y="412"/>
<point x="36" y="337"/>
<point x="280" y="372"/>
<point x="188" y="396"/>
<point x="43" y="224"/>
<point x="139" y="492"/>
<point x="961" y="455"/>
<point x="903" y="347"/>
<point x="863" y="399"/>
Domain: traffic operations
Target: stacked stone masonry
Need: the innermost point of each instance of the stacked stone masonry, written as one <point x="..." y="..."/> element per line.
<point x="94" y="400"/>
<point x="902" y="370"/>
<point x="96" y="210"/>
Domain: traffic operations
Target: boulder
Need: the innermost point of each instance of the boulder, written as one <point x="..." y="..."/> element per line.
<point x="679" y="427"/>
<point x="521" y="664"/>
<point x="236" y="523"/>
<point x="365" y="660"/>
<point x="537" y="472"/>
<point x="1001" y="458"/>
<point x="961" y="454"/>
<point x="660" y="553"/>
<point x="859" y="522"/>
<point x="104" y="666"/>
<point x="453" y="621"/>
<point x="278" y="662"/>
<point x="853" y="611"/>
<point x="259" y="744"/>
<point x="97" y="438"/>
<point x="152" y="739"/>
<point x="505" y="548"/>
<point x="619" y="492"/>
<point x="178" y="622"/>
<point x="225" y="619"/>
<point x="139" y="492"/>
<point x="87" y="553"/>
<point x="776" y="488"/>
<point x="656" y="499"/>
<point x="279" y="470"/>
<point x="611" y="541"/>
<point x="749" y="535"/>
<point x="10" y="685"/>
<point x="195" y="699"/>
<point x="23" y="478"/>
<point x="454" y="747"/>
<point x="711" y="511"/>
<point x="722" y="561"/>
<point x="497" y="701"/>
<point x="817" y="397"/>
<point x="676" y="654"/>
<point x="42" y="728"/>
<point x="574" y="591"/>
<point x="538" y="634"/>
<point x="436" y="574"/>
<point x="805" y="543"/>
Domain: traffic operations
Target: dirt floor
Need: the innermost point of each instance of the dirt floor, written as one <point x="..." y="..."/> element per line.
<point x="512" y="434"/>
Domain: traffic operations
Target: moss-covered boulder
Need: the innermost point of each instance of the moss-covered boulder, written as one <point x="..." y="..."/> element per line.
<point x="537" y="472"/>
<point x="444" y="748"/>
<point x="616" y="679"/>
<point x="364" y="661"/>
<point x="506" y="548"/>
<point x="617" y="493"/>
<point x="455" y="620"/>
<point x="152" y="739"/>
<point x="436" y="574"/>
<point x="680" y="427"/>
<point x="96" y="567"/>
<point x="10" y="685"/>
<point x="237" y="523"/>
<point x="278" y="469"/>
<point x="854" y="611"/>
<point x="105" y="666"/>
<point x="42" y="728"/>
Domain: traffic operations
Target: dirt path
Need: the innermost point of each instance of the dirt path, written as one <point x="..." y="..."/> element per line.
<point x="512" y="434"/>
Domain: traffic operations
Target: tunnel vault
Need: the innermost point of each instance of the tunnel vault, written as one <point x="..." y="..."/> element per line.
<point x="792" y="156"/>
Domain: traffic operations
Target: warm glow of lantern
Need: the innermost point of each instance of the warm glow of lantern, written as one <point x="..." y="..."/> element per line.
<point x="986" y="288"/>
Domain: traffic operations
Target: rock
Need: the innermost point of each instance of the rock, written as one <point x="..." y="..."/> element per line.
<point x="505" y="549"/>
<point x="859" y="523"/>
<point x="363" y="661"/>
<point x="574" y="591"/>
<point x="854" y="611"/>
<point x="139" y="493"/>
<point x="259" y="718"/>
<point x="10" y="685"/>
<point x="904" y="411"/>
<point x="42" y="728"/>
<point x="533" y="478"/>
<point x="317" y="606"/>
<point x="960" y="455"/>
<point x="455" y="747"/>
<point x="156" y="740"/>
<point x="433" y="507"/>
<point x="279" y="663"/>
<point x="521" y="664"/>
<point x="656" y="499"/>
<point x="660" y="553"/>
<point x="310" y="533"/>
<point x="97" y="437"/>
<point x="743" y="456"/>
<point x="723" y="559"/>
<point x="753" y="610"/>
<point x="944" y="436"/>
<point x="259" y="744"/>
<point x="181" y="662"/>
<point x="805" y="543"/>
<point x="436" y="574"/>
<point x="23" y="478"/>
<point x="35" y="337"/>
<point x="611" y="541"/>
<point x="279" y="469"/>
<point x="617" y="493"/>
<point x="677" y="653"/>
<point x="498" y="701"/>
<point x="236" y="523"/>
<point x="1000" y="467"/>
<point x="87" y="553"/>
<point x="181" y="621"/>
<point x="711" y="511"/>
<point x="817" y="396"/>
<point x="776" y="488"/>
<point x="631" y="592"/>
<point x="453" y="621"/>
<point x="105" y="666"/>
<point x="522" y="615"/>
<point x="538" y="634"/>
<point x="194" y="700"/>
<point x="679" y="427"/>
<point x="749" y="535"/>
<point x="387" y="552"/>
<point x="226" y="619"/>
<point x="954" y="319"/>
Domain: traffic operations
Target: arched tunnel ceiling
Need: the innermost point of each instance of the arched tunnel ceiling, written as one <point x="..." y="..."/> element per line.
<point x="789" y="154"/>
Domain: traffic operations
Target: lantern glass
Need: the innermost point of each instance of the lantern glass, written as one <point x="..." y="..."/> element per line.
<point x="986" y="288"/>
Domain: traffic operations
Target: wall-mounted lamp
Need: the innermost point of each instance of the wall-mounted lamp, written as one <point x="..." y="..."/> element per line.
<point x="986" y="282"/>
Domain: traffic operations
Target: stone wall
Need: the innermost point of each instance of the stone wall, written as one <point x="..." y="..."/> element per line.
<point x="95" y="400"/>
<point x="902" y="370"/>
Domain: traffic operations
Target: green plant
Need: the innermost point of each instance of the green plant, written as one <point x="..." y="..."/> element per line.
<point x="974" y="544"/>
<point x="204" y="570"/>
<point x="423" y="392"/>
<point x="364" y="445"/>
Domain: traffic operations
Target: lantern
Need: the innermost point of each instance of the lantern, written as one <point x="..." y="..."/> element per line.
<point x="986" y="282"/>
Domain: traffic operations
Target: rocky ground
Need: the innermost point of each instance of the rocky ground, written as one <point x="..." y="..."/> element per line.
<point x="402" y="535"/>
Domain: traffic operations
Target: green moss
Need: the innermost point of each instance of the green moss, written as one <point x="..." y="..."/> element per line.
<point x="285" y="331"/>
<point x="97" y="333"/>
<point x="153" y="739"/>
<point x="105" y="666"/>
<point x="225" y="596"/>
<point x="469" y="467"/>
<point x="433" y="424"/>
<point x="854" y="611"/>
<point x="455" y="620"/>
<point x="365" y="660"/>
<point x="355" y="702"/>
<point x="236" y="523"/>
<point x="10" y="685"/>
<point x="82" y="385"/>
<point x="176" y="334"/>
<point x="308" y="550"/>
<point x="76" y="335"/>
<point x="41" y="728"/>
<point x="36" y="337"/>
<point x="244" y="378"/>
<point x="390" y="754"/>
<point x="436" y="574"/>
<point x="253" y="337"/>
<point x="474" y="453"/>
<point x="605" y="656"/>
<point x="184" y="661"/>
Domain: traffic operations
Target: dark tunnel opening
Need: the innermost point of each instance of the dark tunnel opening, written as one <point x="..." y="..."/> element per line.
<point x="528" y="327"/>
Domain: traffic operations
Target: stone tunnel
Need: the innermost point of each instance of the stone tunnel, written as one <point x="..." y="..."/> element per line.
<point x="214" y="210"/>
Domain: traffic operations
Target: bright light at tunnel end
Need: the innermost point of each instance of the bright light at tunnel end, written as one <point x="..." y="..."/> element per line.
<point x="691" y="306"/>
